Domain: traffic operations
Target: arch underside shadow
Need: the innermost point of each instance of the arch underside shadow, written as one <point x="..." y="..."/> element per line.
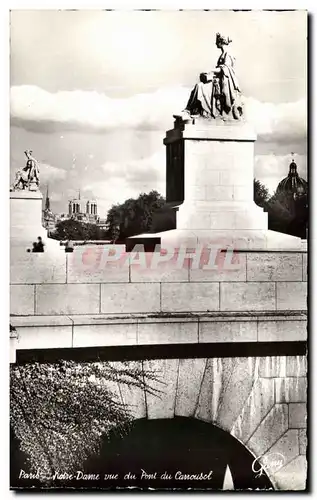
<point x="159" y="453"/>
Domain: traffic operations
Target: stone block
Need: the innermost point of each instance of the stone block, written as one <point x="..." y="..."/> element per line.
<point x="274" y="266"/>
<point x="293" y="476"/>
<point x="227" y="331"/>
<point x="223" y="220"/>
<point x="236" y="385"/>
<point x="95" y="264"/>
<point x="234" y="177"/>
<point x="272" y="426"/>
<point x="32" y="268"/>
<point x="219" y="193"/>
<point x="12" y="349"/>
<point x="45" y="337"/>
<point x="281" y="330"/>
<point x="22" y="299"/>
<point x="297" y="415"/>
<point x="133" y="397"/>
<point x="161" y="404"/>
<point x="291" y="296"/>
<point x="173" y="270"/>
<point x="67" y="299"/>
<point x="198" y="192"/>
<point x="247" y="296"/>
<point x="26" y="217"/>
<point x="305" y="267"/>
<point x="130" y="298"/>
<point x="272" y="366"/>
<point x="282" y="366"/>
<point x="241" y="193"/>
<point x="255" y="408"/>
<point x="228" y="266"/>
<point x="282" y="452"/>
<point x="282" y="242"/>
<point x="190" y="374"/>
<point x="167" y="331"/>
<point x="296" y="366"/>
<point x="194" y="219"/>
<point x="215" y="178"/>
<point x="291" y="390"/>
<point x="215" y="380"/>
<point x="190" y="297"/>
<point x="110" y="334"/>
<point x="302" y="434"/>
<point x="40" y="321"/>
<point x="250" y="220"/>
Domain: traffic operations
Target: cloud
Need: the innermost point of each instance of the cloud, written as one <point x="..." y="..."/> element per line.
<point x="282" y="122"/>
<point x="49" y="173"/>
<point x="94" y="110"/>
<point x="129" y="179"/>
<point x="55" y="196"/>
<point x="37" y="109"/>
<point x="270" y="169"/>
<point x="143" y="169"/>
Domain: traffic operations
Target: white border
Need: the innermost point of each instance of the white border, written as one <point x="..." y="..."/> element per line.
<point x="5" y="157"/>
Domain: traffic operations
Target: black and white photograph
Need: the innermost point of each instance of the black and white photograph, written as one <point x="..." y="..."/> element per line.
<point x="159" y="172"/>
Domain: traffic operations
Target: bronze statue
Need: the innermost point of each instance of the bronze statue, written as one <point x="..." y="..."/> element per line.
<point x="28" y="177"/>
<point x="217" y="95"/>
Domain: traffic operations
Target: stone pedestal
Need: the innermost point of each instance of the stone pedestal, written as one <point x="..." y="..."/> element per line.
<point x="209" y="180"/>
<point x="218" y="177"/>
<point x="26" y="221"/>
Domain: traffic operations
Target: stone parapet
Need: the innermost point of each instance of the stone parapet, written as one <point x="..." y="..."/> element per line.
<point x="237" y="281"/>
<point x="91" y="330"/>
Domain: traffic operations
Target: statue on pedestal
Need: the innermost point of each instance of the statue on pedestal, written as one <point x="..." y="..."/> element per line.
<point x="29" y="176"/>
<point x="218" y="94"/>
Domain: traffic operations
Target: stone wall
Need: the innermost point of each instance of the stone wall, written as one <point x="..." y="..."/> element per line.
<point x="71" y="284"/>
<point x="68" y="300"/>
<point x="260" y="401"/>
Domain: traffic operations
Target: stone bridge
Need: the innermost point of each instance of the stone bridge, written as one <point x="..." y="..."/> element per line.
<point x="228" y="340"/>
<point x="229" y="345"/>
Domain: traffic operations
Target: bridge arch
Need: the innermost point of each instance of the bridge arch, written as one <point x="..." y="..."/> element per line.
<point x="251" y="399"/>
<point x="181" y="452"/>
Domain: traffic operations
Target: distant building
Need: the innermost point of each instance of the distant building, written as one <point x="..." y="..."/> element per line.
<point x="293" y="184"/>
<point x="49" y="219"/>
<point x="293" y="189"/>
<point x="102" y="223"/>
<point x="83" y="210"/>
<point x="62" y="217"/>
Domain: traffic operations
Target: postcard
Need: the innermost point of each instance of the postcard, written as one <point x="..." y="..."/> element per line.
<point x="158" y="250"/>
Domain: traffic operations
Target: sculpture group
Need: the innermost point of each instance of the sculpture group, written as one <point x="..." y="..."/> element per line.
<point x="28" y="177"/>
<point x="217" y="94"/>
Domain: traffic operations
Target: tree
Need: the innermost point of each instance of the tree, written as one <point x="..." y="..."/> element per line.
<point x="59" y="412"/>
<point x="260" y="193"/>
<point x="134" y="216"/>
<point x="288" y="214"/>
<point x="72" y="229"/>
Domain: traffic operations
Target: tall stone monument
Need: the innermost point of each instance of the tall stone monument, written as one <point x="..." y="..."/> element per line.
<point x="209" y="168"/>
<point x="26" y="209"/>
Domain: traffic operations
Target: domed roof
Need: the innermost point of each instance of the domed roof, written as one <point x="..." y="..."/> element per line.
<point x="292" y="184"/>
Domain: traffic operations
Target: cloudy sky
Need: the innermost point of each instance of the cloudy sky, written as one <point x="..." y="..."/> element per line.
<point x="93" y="93"/>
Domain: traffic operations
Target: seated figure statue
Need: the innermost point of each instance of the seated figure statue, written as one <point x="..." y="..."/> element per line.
<point x="28" y="176"/>
<point x="218" y="93"/>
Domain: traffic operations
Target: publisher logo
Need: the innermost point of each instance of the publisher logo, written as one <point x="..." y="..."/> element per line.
<point x="269" y="463"/>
